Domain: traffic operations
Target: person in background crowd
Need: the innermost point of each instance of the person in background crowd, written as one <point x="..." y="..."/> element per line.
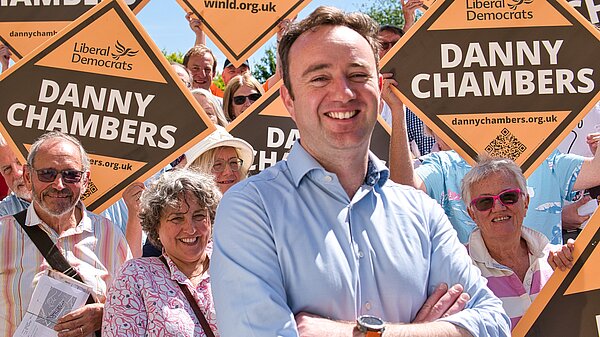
<point x="5" y="55"/>
<point x="241" y="92"/>
<point x="202" y="64"/>
<point x="229" y="70"/>
<point x="310" y="245"/>
<point x="148" y="297"/>
<point x="57" y="173"/>
<point x="12" y="172"/>
<point x="420" y="142"/>
<point x="516" y="260"/>
<point x="214" y="111"/>
<point x="226" y="158"/>
<point x="555" y="180"/>
<point x="184" y="74"/>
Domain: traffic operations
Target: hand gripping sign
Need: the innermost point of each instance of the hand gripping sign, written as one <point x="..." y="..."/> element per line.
<point x="104" y="81"/>
<point x="509" y="78"/>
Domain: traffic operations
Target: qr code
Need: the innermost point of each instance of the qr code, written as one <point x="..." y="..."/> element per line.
<point x="90" y="190"/>
<point x="505" y="145"/>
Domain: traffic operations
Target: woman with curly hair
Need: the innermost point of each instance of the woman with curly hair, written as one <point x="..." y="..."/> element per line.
<point x="169" y="295"/>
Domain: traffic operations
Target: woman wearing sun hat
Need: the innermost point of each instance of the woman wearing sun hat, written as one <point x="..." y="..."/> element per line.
<point x="227" y="158"/>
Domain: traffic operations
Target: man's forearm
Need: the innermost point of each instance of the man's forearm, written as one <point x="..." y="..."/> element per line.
<point x="310" y="325"/>
<point x="432" y="329"/>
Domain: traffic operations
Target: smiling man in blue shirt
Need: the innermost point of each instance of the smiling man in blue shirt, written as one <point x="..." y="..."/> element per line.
<point x="312" y="244"/>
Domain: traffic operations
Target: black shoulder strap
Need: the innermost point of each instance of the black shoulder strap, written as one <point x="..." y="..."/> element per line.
<point x="50" y="252"/>
<point x="188" y="295"/>
<point x="48" y="249"/>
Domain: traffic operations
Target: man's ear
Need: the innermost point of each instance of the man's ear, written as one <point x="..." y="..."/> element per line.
<point x="288" y="101"/>
<point x="27" y="176"/>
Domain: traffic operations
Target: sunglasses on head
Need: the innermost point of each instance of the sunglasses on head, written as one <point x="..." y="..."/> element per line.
<point x="68" y="176"/>
<point x="509" y="197"/>
<point x="387" y="45"/>
<point x="239" y="100"/>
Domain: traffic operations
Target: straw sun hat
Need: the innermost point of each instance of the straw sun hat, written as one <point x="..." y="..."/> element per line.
<point x="220" y="137"/>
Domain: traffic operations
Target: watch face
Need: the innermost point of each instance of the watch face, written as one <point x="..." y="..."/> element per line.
<point x="371" y="322"/>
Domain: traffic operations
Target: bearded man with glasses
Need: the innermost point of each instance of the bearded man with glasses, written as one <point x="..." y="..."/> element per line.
<point x="516" y="260"/>
<point x="57" y="173"/>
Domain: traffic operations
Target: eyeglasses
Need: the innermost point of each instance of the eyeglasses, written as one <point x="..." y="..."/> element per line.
<point x="234" y="165"/>
<point x="239" y="100"/>
<point x="507" y="198"/>
<point x="68" y="176"/>
<point x="387" y="45"/>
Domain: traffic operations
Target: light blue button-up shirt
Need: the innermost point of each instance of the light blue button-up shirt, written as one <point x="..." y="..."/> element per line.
<point x="290" y="240"/>
<point x="12" y="205"/>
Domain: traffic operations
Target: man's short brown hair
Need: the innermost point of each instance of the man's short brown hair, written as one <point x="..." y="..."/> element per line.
<point x="324" y="15"/>
<point x="200" y="50"/>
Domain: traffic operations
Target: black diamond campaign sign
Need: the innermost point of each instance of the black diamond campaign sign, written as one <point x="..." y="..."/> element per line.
<point x="509" y="78"/>
<point x="104" y="81"/>
<point x="25" y="24"/>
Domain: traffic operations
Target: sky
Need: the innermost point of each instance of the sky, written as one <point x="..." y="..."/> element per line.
<point x="165" y="22"/>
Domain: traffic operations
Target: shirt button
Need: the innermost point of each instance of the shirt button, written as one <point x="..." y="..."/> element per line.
<point x="327" y="179"/>
<point x="361" y="254"/>
<point x="368" y="305"/>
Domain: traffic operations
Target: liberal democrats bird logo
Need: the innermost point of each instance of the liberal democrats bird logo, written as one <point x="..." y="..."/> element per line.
<point x="122" y="51"/>
<point x="517" y="3"/>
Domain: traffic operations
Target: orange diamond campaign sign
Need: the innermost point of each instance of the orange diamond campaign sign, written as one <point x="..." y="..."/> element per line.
<point x="268" y="127"/>
<point x="509" y="78"/>
<point x="240" y="27"/>
<point x="103" y="80"/>
<point x="569" y="303"/>
<point x="25" y="24"/>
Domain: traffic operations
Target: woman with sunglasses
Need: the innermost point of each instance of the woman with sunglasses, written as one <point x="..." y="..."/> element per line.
<point x="240" y="93"/>
<point x="516" y="260"/>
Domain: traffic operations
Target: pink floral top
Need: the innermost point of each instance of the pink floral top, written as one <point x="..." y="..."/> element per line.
<point x="145" y="300"/>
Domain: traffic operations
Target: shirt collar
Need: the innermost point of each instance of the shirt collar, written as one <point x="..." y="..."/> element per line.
<point x="177" y="275"/>
<point x="300" y="163"/>
<point x="536" y="242"/>
<point x="85" y="224"/>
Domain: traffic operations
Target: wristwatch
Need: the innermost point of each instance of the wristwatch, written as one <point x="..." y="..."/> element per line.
<point x="371" y="326"/>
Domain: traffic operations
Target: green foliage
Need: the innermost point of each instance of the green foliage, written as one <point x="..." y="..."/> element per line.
<point x="385" y="12"/>
<point x="218" y="81"/>
<point x="174" y="56"/>
<point x="265" y="68"/>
